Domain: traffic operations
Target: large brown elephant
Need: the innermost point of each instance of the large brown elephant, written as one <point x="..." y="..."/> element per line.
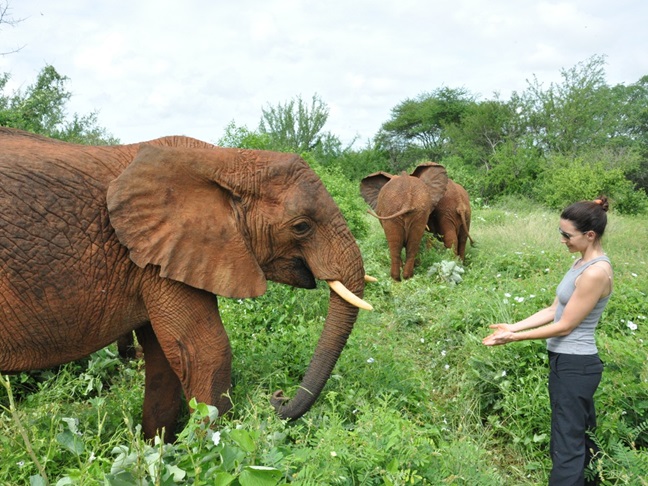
<point x="98" y="241"/>
<point x="409" y="204"/>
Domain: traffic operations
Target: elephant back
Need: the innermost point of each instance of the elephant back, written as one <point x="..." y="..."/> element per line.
<point x="404" y="194"/>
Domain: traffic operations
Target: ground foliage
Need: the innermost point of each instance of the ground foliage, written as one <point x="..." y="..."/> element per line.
<point x="415" y="397"/>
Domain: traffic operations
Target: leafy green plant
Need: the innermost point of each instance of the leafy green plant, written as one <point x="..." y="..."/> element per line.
<point x="619" y="460"/>
<point x="200" y="455"/>
<point x="567" y="181"/>
<point x="415" y="398"/>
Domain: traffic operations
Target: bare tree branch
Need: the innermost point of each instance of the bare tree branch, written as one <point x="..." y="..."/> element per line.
<point x="7" y="19"/>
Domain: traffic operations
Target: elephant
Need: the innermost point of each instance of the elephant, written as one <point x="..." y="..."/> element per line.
<point x="99" y="241"/>
<point x="450" y="219"/>
<point x="409" y="204"/>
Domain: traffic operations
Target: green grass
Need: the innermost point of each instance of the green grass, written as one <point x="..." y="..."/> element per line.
<point x="415" y="397"/>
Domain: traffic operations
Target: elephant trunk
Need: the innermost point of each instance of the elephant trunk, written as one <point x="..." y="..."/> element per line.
<point x="337" y="328"/>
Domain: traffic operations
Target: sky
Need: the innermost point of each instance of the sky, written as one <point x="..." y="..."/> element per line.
<point x="192" y="67"/>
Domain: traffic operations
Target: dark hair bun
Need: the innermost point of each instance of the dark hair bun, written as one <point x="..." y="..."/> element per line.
<point x="603" y="202"/>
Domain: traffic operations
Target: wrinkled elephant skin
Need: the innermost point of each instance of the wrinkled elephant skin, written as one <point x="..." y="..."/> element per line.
<point x="409" y="204"/>
<point x="96" y="242"/>
<point x="450" y="219"/>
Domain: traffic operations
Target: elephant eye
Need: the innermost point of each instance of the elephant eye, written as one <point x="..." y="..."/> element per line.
<point x="301" y="228"/>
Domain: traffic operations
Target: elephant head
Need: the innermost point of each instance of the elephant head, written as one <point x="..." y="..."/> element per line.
<point x="225" y="220"/>
<point x="403" y="203"/>
<point x="96" y="242"/>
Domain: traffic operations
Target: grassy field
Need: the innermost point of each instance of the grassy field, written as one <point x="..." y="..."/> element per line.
<point x="415" y="398"/>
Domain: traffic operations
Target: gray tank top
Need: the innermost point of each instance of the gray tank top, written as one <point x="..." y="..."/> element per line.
<point x="581" y="339"/>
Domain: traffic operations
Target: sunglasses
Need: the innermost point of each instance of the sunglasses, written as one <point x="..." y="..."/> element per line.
<point x="567" y="236"/>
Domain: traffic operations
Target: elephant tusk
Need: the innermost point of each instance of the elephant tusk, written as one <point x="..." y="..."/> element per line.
<point x="339" y="288"/>
<point x="369" y="278"/>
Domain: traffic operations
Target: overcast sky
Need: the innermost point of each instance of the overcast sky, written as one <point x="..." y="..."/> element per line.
<point x="170" y="67"/>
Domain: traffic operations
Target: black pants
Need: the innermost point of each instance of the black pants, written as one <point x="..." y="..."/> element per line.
<point x="573" y="379"/>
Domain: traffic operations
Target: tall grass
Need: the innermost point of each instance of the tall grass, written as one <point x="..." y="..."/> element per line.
<point x="414" y="399"/>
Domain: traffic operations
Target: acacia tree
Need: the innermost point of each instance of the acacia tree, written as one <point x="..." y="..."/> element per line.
<point x="421" y="123"/>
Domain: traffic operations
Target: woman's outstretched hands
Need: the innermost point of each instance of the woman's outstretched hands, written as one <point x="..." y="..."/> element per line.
<point x="501" y="335"/>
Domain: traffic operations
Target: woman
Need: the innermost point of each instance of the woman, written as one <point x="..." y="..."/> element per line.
<point x="568" y="326"/>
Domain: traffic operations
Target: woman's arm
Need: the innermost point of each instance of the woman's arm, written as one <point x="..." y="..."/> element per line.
<point x="590" y="286"/>
<point x="540" y="318"/>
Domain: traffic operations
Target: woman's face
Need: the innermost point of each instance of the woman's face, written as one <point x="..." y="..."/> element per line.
<point x="573" y="239"/>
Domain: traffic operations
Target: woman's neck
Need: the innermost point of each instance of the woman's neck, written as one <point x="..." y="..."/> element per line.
<point x="593" y="251"/>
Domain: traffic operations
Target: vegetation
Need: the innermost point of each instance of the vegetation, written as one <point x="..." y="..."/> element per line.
<point x="415" y="398"/>
<point x="41" y="109"/>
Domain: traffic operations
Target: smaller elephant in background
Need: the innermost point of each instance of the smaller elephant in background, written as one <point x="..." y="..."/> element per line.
<point x="409" y="204"/>
<point x="450" y="220"/>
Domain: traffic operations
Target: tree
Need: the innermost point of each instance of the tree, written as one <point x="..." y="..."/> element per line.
<point x="422" y="122"/>
<point x="634" y="125"/>
<point x="41" y="109"/>
<point x="294" y="126"/>
<point x="242" y="137"/>
<point x="482" y="129"/>
<point x="7" y="19"/>
<point x="578" y="114"/>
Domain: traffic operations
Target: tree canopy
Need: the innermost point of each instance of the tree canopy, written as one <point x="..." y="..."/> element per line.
<point x="41" y="109"/>
<point x="513" y="147"/>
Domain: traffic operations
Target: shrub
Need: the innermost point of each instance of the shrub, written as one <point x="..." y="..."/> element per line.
<point x="566" y="181"/>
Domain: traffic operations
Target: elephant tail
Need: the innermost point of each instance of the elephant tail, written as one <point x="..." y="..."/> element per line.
<point x="391" y="216"/>
<point x="464" y="223"/>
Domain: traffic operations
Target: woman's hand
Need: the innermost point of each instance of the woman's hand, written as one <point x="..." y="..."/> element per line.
<point x="501" y="335"/>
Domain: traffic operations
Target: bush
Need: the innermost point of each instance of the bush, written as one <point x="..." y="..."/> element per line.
<point x="514" y="170"/>
<point x="567" y="181"/>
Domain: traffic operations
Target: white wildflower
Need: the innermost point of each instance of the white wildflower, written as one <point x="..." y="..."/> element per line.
<point x="333" y="454"/>
<point x="370" y="360"/>
<point x="507" y="295"/>
<point x="422" y="340"/>
<point x="443" y="352"/>
<point x="504" y="373"/>
<point x="216" y="438"/>
<point x="632" y="326"/>
<point x="447" y="367"/>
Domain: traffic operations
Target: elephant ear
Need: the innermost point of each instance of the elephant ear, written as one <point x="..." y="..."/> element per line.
<point x="169" y="210"/>
<point x="435" y="176"/>
<point x="371" y="185"/>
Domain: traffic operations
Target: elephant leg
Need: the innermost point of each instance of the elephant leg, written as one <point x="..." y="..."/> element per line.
<point x="188" y="327"/>
<point x="162" y="389"/>
<point x="461" y="247"/>
<point x="450" y="240"/>
<point x="126" y="346"/>
<point x="412" y="247"/>
<point x="395" y="235"/>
